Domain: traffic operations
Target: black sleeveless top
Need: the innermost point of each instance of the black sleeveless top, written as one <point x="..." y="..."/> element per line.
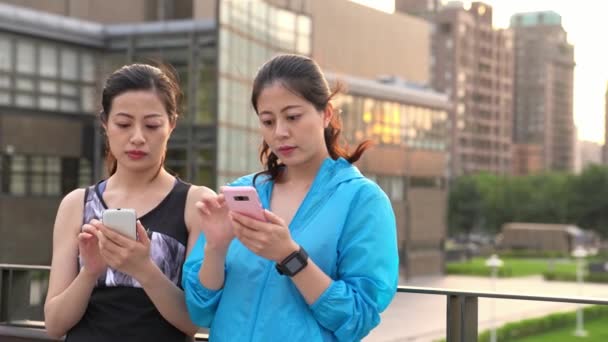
<point x="119" y="309"/>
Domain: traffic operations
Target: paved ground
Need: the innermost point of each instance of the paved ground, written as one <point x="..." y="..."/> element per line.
<point x="421" y="318"/>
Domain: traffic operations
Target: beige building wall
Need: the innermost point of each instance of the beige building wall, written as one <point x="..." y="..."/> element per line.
<point x="353" y="39"/>
<point x="106" y="11"/>
<point x="204" y="9"/>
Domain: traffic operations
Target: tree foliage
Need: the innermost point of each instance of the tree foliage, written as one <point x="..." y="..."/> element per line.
<point x="485" y="201"/>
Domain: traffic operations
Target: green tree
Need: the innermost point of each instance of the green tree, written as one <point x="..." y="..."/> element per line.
<point x="464" y="206"/>
<point x="589" y="203"/>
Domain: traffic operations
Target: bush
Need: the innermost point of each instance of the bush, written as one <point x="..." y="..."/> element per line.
<point x="535" y="326"/>
<point x="564" y="276"/>
<point x="526" y="253"/>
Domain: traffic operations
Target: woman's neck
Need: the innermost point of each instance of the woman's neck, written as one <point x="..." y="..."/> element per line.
<point x="304" y="173"/>
<point x="129" y="180"/>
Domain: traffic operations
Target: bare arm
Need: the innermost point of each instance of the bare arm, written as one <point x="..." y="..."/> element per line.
<point x="166" y="296"/>
<point x="218" y="236"/>
<point x="69" y="291"/>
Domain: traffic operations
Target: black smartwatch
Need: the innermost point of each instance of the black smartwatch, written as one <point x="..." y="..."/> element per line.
<point x="294" y="263"/>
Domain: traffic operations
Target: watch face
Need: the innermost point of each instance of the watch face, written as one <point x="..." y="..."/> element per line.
<point x="293" y="265"/>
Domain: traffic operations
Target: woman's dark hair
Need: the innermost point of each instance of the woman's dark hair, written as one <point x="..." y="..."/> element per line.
<point x="302" y="76"/>
<point x="131" y="77"/>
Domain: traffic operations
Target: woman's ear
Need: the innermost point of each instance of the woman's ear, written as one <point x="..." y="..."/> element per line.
<point x="172" y="124"/>
<point x="328" y="114"/>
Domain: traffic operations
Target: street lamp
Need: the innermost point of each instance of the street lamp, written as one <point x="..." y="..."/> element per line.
<point x="494" y="263"/>
<point x="580" y="253"/>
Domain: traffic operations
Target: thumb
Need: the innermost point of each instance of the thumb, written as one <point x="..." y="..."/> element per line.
<point x="272" y="218"/>
<point x="142" y="234"/>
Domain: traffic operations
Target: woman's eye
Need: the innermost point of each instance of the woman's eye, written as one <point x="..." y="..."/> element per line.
<point x="293" y="117"/>
<point x="121" y="125"/>
<point x="152" y="126"/>
<point x="266" y="122"/>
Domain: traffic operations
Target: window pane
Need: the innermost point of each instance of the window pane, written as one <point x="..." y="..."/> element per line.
<point x="49" y="87"/>
<point x="17" y="185"/>
<point x="88" y="67"/>
<point x="53" y="173"/>
<point x="69" y="89"/>
<point x="69" y="67"/>
<point x="37" y="164"/>
<point x="48" y="102"/>
<point x="84" y="173"/>
<point x="68" y="105"/>
<point x="37" y="175"/>
<point x="303" y="45"/>
<point x="22" y="100"/>
<point x="5" y="97"/>
<point x="25" y="57"/>
<point x="37" y="184"/>
<point x="25" y="84"/>
<point x="88" y="99"/>
<point x="5" y="81"/>
<point x="53" y="185"/>
<point x="6" y="53"/>
<point x="304" y="25"/>
<point x="47" y="62"/>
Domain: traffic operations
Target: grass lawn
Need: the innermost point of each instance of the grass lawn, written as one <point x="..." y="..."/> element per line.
<point x="512" y="267"/>
<point x="597" y="331"/>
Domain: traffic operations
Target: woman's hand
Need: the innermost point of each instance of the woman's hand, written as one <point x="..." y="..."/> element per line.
<point x="270" y="240"/>
<point x="216" y="224"/>
<point x="122" y="253"/>
<point x="92" y="261"/>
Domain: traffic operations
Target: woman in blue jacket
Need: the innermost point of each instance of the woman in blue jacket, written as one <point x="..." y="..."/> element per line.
<point x="325" y="263"/>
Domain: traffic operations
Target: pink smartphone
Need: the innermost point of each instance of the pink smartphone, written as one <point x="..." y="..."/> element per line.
<point x="244" y="200"/>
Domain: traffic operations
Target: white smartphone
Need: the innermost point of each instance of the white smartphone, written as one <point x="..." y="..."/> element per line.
<point x="121" y="220"/>
<point x="244" y="200"/>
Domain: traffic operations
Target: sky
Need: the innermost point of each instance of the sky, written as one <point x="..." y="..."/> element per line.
<point x="586" y="24"/>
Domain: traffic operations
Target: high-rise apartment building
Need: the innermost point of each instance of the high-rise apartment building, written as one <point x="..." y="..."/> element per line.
<point x="420" y="8"/>
<point x="473" y="63"/>
<point x="544" y="70"/>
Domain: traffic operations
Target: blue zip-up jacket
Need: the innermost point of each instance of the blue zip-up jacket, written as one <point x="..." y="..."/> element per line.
<point x="347" y="226"/>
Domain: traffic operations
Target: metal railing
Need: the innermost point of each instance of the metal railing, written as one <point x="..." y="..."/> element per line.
<point x="462" y="307"/>
<point x="26" y="322"/>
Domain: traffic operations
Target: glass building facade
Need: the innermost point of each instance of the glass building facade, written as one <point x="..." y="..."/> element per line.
<point x="250" y="33"/>
<point x="394" y="122"/>
<point x="189" y="47"/>
<point x="38" y="75"/>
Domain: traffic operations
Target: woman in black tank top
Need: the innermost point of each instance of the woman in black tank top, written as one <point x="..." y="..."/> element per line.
<point x="105" y="286"/>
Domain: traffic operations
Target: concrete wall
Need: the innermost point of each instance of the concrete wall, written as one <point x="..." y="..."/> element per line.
<point x="38" y="135"/>
<point x="26" y="229"/>
<point x="26" y="223"/>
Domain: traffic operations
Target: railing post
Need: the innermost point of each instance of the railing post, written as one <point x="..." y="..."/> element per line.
<point x="4" y="294"/>
<point x="461" y="320"/>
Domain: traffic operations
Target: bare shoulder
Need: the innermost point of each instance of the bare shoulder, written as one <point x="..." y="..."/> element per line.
<point x="196" y="192"/>
<point x="73" y="201"/>
<point x="71" y="208"/>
